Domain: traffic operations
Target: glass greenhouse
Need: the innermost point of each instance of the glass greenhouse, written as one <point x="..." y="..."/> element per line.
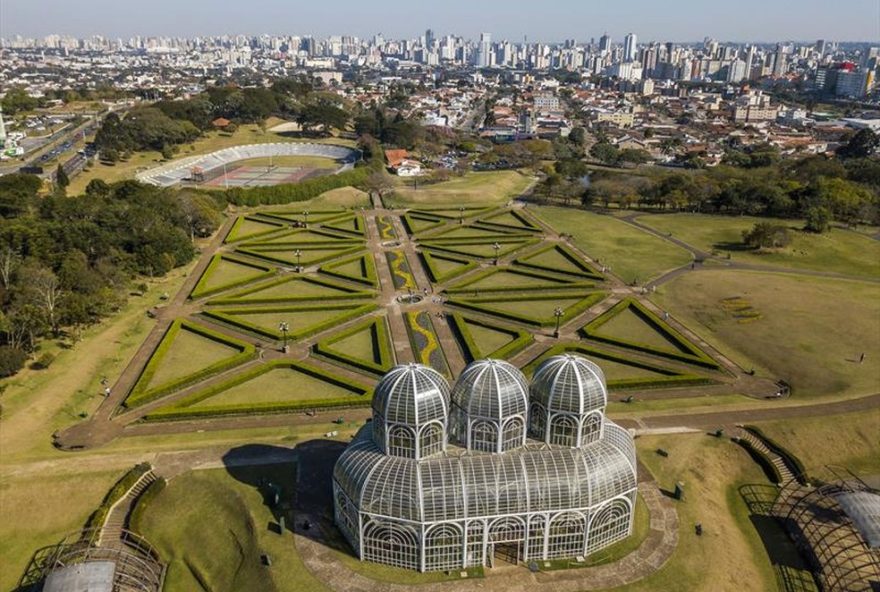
<point x="494" y="468"/>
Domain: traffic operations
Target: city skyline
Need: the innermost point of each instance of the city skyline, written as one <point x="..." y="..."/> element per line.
<point x="514" y="20"/>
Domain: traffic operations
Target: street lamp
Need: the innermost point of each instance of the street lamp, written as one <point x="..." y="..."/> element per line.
<point x="461" y="215"/>
<point x="306" y="217"/>
<point x="298" y="254"/>
<point x="497" y="248"/>
<point x="558" y="314"/>
<point x="284" y="327"/>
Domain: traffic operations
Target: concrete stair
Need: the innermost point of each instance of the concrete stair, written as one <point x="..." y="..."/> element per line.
<point x="785" y="473"/>
<point x="117" y="517"/>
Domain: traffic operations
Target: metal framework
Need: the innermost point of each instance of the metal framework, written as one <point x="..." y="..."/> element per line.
<point x="836" y="525"/>
<point x="446" y="480"/>
<point x="129" y="564"/>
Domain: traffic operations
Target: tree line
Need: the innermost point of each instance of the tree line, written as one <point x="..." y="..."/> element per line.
<point x="65" y="263"/>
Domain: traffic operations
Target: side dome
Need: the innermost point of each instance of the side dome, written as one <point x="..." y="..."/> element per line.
<point x="567" y="401"/>
<point x="489" y="405"/>
<point x="410" y="411"/>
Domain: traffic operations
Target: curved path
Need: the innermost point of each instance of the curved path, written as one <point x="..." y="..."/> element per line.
<point x="654" y="551"/>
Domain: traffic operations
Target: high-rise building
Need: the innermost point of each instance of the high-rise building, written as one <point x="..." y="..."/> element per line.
<point x="429" y="38"/>
<point x="779" y="61"/>
<point x="629" y="48"/>
<point x="820" y="47"/>
<point x="604" y="42"/>
<point x="484" y="51"/>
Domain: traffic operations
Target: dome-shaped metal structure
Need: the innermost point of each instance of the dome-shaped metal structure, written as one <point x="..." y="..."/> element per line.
<point x="489" y="405"/>
<point x="567" y="401"/>
<point x="410" y="411"/>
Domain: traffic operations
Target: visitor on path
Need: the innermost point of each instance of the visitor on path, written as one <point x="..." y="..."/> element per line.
<point x="862" y="358"/>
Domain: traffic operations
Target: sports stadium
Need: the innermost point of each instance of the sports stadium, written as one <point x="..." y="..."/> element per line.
<point x="254" y="165"/>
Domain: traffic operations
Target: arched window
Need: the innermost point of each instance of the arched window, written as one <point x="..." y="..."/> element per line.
<point x="484" y="436"/>
<point x="513" y="434"/>
<point x="537" y="526"/>
<point x="591" y="428"/>
<point x="443" y="547"/>
<point x="507" y="530"/>
<point x="346" y="515"/>
<point x="568" y="531"/>
<point x="391" y="543"/>
<point x="563" y="430"/>
<point x="537" y="421"/>
<point x="609" y="524"/>
<point x="431" y="440"/>
<point x="401" y="442"/>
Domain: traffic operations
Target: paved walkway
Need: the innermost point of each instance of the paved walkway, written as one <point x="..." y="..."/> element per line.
<point x="654" y="551"/>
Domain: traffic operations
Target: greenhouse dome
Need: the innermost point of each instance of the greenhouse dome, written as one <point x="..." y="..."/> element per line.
<point x="489" y="405"/>
<point x="460" y="507"/>
<point x="411" y="411"/>
<point x="568" y="398"/>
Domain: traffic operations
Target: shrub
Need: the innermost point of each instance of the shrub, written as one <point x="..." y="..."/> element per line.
<point x="44" y="361"/>
<point x="289" y="193"/>
<point x="520" y="339"/>
<point x="767" y="235"/>
<point x="11" y="360"/>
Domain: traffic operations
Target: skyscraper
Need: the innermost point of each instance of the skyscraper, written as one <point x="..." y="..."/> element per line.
<point x="779" y="61"/>
<point x="604" y="42"/>
<point x="629" y="48"/>
<point x="484" y="51"/>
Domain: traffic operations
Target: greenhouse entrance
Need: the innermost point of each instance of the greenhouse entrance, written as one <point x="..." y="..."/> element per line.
<point x="505" y="553"/>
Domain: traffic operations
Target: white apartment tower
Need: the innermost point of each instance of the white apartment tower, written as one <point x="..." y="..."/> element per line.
<point x="629" y="48"/>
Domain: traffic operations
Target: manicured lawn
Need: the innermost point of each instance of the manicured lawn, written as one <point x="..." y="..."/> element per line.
<point x="509" y="279"/>
<point x="631" y="254"/>
<point x="538" y="309"/>
<point x="228" y="272"/>
<point x="361" y="345"/>
<point x="249" y="228"/>
<point x="730" y="552"/>
<point x="40" y="510"/>
<point x="618" y="371"/>
<point x="807" y="331"/>
<point x="488" y="339"/>
<point x="347" y="197"/>
<point x="211" y="527"/>
<point x="276" y="386"/>
<point x="839" y="251"/>
<point x="851" y="440"/>
<point x="628" y="326"/>
<point x="189" y="353"/>
<point x="486" y="187"/>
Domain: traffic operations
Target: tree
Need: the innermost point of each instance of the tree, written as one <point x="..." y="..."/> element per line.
<point x="97" y="188"/>
<point x="61" y="178"/>
<point x="578" y="136"/>
<point x="322" y="114"/>
<point x="9" y="260"/>
<point x="818" y="219"/>
<point x="863" y="144"/>
<point x="765" y="235"/>
<point x="167" y="152"/>
<point x="605" y="152"/>
<point x="378" y="182"/>
<point x="11" y="360"/>
<point x="40" y="287"/>
<point x="634" y="156"/>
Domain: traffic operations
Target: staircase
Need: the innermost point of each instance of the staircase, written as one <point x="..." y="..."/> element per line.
<point x="785" y="473"/>
<point x="111" y="531"/>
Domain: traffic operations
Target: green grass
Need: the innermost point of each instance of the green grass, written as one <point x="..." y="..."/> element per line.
<point x="510" y="279"/>
<point x="850" y="440"/>
<point x="276" y="386"/>
<point x="211" y="528"/>
<point x="189" y="352"/>
<point x="488" y="339"/>
<point x="228" y="272"/>
<point x="472" y="188"/>
<point x="839" y="251"/>
<point x="807" y="331"/>
<point x="730" y="551"/>
<point x="630" y="327"/>
<point x="539" y="309"/>
<point x="65" y="501"/>
<point x="631" y="254"/>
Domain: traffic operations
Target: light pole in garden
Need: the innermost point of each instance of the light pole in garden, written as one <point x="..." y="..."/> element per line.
<point x="558" y="314"/>
<point x="306" y="217"/>
<point x="461" y="215"/>
<point x="298" y="254"/>
<point x="284" y="327"/>
<point x="496" y="247"/>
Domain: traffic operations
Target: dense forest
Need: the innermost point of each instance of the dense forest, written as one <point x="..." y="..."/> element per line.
<point x="67" y="262"/>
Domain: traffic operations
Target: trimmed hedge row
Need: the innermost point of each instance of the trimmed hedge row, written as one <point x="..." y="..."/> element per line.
<point x="562" y="283"/>
<point x="525" y="222"/>
<point x="216" y="260"/>
<point x="290" y="238"/>
<point x="469" y="211"/>
<point x="696" y="355"/>
<point x="437" y="277"/>
<point x="264" y="254"/>
<point x="521" y="338"/>
<point x="380" y="339"/>
<point x="450" y="248"/>
<point x="140" y="395"/>
<point x="787" y="455"/>
<point x="358" y="230"/>
<point x="498" y="236"/>
<point x="569" y="255"/>
<point x="240" y="222"/>
<point x="409" y="224"/>
<point x="143" y="502"/>
<point x="116" y="493"/>
<point x="227" y="316"/>
<point x="369" y="268"/>
<point x="479" y="305"/>
<point x="294" y="192"/>
<point x="183" y="410"/>
<point x="241" y="297"/>
<point x="669" y="379"/>
<point x="315" y="216"/>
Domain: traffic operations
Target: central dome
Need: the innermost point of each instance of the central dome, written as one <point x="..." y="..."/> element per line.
<point x="489" y="405"/>
<point x="569" y="384"/>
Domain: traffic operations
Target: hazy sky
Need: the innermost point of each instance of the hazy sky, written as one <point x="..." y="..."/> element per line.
<point x="541" y="20"/>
